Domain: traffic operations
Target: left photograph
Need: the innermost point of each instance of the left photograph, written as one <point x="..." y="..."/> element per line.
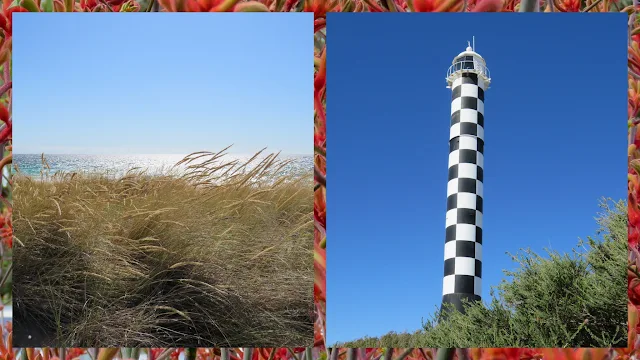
<point x="162" y="180"/>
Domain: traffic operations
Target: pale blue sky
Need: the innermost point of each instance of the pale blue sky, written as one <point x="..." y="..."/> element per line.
<point x="162" y="83"/>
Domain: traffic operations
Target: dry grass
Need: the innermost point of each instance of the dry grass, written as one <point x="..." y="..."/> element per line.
<point x="219" y="256"/>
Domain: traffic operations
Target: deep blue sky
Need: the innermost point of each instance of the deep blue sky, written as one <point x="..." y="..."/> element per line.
<point x="555" y="142"/>
<point x="162" y="83"/>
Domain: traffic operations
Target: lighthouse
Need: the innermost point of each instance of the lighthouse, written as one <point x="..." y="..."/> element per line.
<point x="468" y="78"/>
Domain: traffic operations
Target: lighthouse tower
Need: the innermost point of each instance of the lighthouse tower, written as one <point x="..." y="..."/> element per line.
<point x="468" y="78"/>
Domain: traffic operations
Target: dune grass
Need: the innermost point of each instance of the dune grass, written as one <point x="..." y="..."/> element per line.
<point x="219" y="255"/>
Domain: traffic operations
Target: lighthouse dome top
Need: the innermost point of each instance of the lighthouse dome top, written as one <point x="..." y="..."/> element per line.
<point x="468" y="61"/>
<point x="468" y="52"/>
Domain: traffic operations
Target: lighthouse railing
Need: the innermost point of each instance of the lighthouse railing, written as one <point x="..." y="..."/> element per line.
<point x="468" y="66"/>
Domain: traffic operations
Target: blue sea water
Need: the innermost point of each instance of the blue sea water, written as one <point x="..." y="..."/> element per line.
<point x="31" y="164"/>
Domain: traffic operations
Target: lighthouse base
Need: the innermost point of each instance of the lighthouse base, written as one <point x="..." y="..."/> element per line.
<point x="457" y="300"/>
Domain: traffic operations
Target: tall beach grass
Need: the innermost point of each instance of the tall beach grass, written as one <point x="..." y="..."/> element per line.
<point x="217" y="255"/>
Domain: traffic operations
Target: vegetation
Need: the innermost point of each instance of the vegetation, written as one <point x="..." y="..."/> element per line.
<point x="220" y="255"/>
<point x="563" y="300"/>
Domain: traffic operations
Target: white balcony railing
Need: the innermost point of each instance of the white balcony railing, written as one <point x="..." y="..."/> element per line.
<point x="468" y="67"/>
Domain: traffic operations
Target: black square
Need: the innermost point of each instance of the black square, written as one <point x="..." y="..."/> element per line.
<point x="466" y="216"/>
<point x="480" y="93"/>
<point x="480" y="119"/>
<point x="478" y="268"/>
<point x="467" y="128"/>
<point x="468" y="102"/>
<point x="451" y="233"/>
<point x="480" y="174"/>
<point x="456" y="92"/>
<point x="478" y="235"/>
<point x="453" y="172"/>
<point x="449" y="266"/>
<point x="464" y="284"/>
<point x="454" y="144"/>
<point x="468" y="156"/>
<point x="481" y="145"/>
<point x="452" y="201"/>
<point x="455" y="117"/>
<point x="467" y="185"/>
<point x="479" y="203"/>
<point x="465" y="249"/>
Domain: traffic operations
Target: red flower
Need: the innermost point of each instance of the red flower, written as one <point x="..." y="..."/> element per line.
<point x="634" y="290"/>
<point x="6" y="229"/>
<point x="175" y="354"/>
<point x="634" y="85"/>
<point x="568" y="5"/>
<point x="634" y="236"/>
<point x="155" y="352"/>
<point x="74" y="353"/>
<point x="319" y="8"/>
<point x="500" y="353"/>
<point x="489" y="6"/>
<point x="6" y="348"/>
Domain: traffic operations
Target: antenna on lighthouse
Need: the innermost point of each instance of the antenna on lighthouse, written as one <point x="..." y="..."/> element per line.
<point x="474" y="43"/>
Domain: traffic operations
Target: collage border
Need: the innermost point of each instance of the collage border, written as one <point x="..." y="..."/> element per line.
<point x="320" y="9"/>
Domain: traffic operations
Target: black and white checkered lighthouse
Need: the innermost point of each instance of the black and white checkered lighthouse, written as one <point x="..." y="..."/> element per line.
<point x="468" y="78"/>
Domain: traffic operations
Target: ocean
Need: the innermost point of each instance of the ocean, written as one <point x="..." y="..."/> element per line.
<point x="31" y="164"/>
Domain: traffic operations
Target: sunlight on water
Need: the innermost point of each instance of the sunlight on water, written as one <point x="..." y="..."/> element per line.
<point x="31" y="164"/>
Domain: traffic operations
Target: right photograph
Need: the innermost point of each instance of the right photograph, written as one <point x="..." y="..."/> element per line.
<point x="477" y="190"/>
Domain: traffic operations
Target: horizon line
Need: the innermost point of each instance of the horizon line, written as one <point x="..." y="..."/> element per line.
<point x="185" y="153"/>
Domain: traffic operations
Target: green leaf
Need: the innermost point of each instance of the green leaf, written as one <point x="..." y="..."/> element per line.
<point x="47" y="5"/>
<point x="319" y="150"/>
<point x="635" y="164"/>
<point x="29" y="5"/>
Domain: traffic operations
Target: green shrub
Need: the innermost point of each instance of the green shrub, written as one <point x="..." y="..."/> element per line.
<point x="561" y="300"/>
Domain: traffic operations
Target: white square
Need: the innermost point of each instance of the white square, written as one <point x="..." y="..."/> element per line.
<point x="466" y="232"/>
<point x="479" y="188"/>
<point x="466" y="201"/>
<point x="456" y="82"/>
<point x="454" y="158"/>
<point x="481" y="83"/>
<point x="454" y="131"/>
<point x="481" y="132"/>
<point x="468" y="142"/>
<point x="450" y="250"/>
<point x="465" y="266"/>
<point x="456" y="105"/>
<point x="480" y="106"/>
<point x="477" y="286"/>
<point x="452" y="217"/>
<point x="468" y="115"/>
<point x="467" y="170"/>
<point x="478" y="218"/>
<point x="448" y="284"/>
<point x="452" y="187"/>
<point x="478" y="251"/>
<point x="480" y="160"/>
<point x="469" y="90"/>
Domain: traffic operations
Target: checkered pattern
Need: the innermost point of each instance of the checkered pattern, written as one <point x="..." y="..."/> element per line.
<point x="463" y="242"/>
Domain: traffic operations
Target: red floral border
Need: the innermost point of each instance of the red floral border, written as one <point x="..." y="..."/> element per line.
<point x="320" y="8"/>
